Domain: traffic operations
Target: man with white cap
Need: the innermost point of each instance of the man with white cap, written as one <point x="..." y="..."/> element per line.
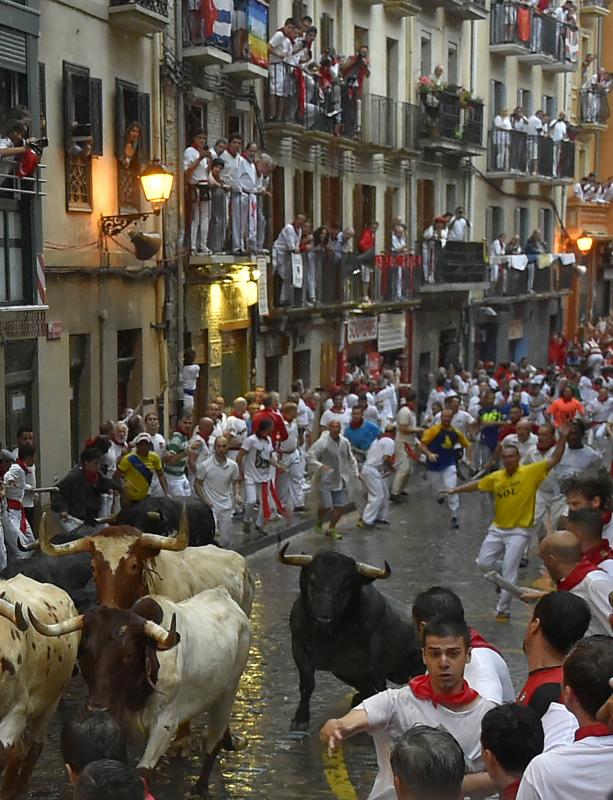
<point x="138" y="468"/>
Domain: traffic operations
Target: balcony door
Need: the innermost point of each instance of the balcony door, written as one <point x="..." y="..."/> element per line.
<point x="425" y="205"/>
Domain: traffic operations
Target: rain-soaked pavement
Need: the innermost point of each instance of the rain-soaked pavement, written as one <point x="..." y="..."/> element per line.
<point x="422" y="550"/>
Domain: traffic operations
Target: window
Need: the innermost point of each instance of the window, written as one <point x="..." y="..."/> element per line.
<point x="360" y="37"/>
<point x="326" y="30"/>
<point x="452" y="63"/>
<point x="132" y="141"/>
<point x="14" y="255"/>
<point x="550" y="106"/>
<point x="19" y="359"/>
<point x="82" y="133"/>
<point x="498" y="97"/>
<point x="524" y="100"/>
<point x="235" y="124"/>
<point x="196" y="118"/>
<point x="522" y="223"/>
<point x="80" y="418"/>
<point x="494" y="222"/>
<point x="425" y="53"/>
<point x="392" y="83"/>
<point x="299" y="10"/>
<point x="546" y="226"/>
<point x="451" y="194"/>
<point x="129" y="370"/>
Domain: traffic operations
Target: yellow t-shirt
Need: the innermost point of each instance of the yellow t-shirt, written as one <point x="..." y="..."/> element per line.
<point x="137" y="473"/>
<point x="515" y="494"/>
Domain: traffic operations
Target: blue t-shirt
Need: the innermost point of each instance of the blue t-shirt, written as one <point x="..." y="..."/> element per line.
<point x="362" y="437"/>
<point x="489" y="433"/>
<point x="506" y="408"/>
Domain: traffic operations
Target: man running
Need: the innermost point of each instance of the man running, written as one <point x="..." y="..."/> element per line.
<point x="218" y="485"/>
<point x="137" y="470"/>
<point x="514" y="488"/>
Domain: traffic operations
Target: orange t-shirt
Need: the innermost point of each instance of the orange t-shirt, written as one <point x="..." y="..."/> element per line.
<point x="564" y="411"/>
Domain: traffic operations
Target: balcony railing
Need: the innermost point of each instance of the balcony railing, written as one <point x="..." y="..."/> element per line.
<point x="207" y="33"/>
<point x="140" y="17"/>
<point x="519" y="29"/>
<point x="383" y="279"/>
<point x="445" y="116"/>
<point x="594" y="106"/>
<point x="506" y="280"/>
<point x="157" y="6"/>
<point x="379" y="124"/>
<point x="453" y="262"/>
<point x="12" y="187"/>
<point x="466" y="9"/>
<point x="600" y="7"/>
<point x="513" y="153"/>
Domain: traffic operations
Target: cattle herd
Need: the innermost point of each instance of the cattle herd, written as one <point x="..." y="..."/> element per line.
<point x="158" y="626"/>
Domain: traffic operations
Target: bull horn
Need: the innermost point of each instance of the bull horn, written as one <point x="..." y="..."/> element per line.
<point x="154" y="515"/>
<point x="14" y="613"/>
<point x="27" y="548"/>
<point x="58" y="628"/>
<point x="293" y="561"/>
<point x="47" y="546"/>
<point x="368" y="571"/>
<point x="178" y="542"/>
<point x="112" y="520"/>
<point x="166" y="639"/>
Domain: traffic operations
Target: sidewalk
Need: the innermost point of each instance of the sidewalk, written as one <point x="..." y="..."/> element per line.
<point x="277" y="532"/>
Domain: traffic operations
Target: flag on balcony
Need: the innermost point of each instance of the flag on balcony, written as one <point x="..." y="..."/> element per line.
<point x="217" y="22"/>
<point x="258" y="33"/>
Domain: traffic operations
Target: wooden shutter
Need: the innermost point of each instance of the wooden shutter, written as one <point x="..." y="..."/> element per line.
<point x="144" y="117"/>
<point x="95" y="111"/>
<point x="122" y="90"/>
<point x="42" y="98"/>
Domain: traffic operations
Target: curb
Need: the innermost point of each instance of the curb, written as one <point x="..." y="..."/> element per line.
<point x="276" y="537"/>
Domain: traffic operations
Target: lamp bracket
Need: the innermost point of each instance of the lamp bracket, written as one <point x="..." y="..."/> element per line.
<point x="114" y="224"/>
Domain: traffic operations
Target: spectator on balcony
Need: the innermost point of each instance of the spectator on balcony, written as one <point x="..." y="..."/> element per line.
<point x="306" y="245"/>
<point x="354" y="71"/>
<point x="519" y="121"/>
<point x="436" y="232"/>
<point x="513" y="247"/>
<point x="314" y="260"/>
<point x="343" y="243"/>
<point x="196" y="171"/>
<point x="280" y="52"/>
<point x="218" y="223"/>
<point x="399" y="239"/>
<point x="366" y="259"/>
<point x="265" y="167"/>
<point x="240" y="31"/>
<point x="458" y="227"/>
<point x="303" y="54"/>
<point x="558" y="132"/>
<point x="534" y="129"/>
<point x="231" y="157"/>
<point x="247" y="185"/>
<point x="287" y="244"/>
<point x="498" y="252"/>
<point x="535" y="246"/>
<point x="218" y="149"/>
<point x="581" y="189"/>
<point x="502" y="140"/>
<point x="13" y="142"/>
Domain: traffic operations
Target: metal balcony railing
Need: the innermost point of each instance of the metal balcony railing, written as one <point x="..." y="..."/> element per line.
<point x="604" y="4"/>
<point x="200" y="28"/>
<point x="443" y="115"/>
<point x="157" y="6"/>
<point x="453" y="262"/>
<point x="13" y="187"/>
<point x="379" y="124"/>
<point x="594" y="106"/>
<point x="516" y="28"/>
<point x="408" y="121"/>
<point x="514" y="152"/>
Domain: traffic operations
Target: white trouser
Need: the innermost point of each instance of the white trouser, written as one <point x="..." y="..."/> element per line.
<point x="289" y="484"/>
<point x="200" y="222"/>
<point x="253" y="503"/>
<point x="547" y="512"/>
<point x="223" y="525"/>
<point x="377" y="503"/>
<point x="12" y="533"/>
<point x="502" y="550"/>
<point x="404" y="467"/>
<point x="155" y="490"/>
<point x="188" y="402"/>
<point x="249" y="222"/>
<point x="178" y="485"/>
<point x="235" y="211"/>
<point x="441" y="480"/>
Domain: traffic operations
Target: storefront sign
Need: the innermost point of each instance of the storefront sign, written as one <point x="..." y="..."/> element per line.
<point x="392" y="332"/>
<point x="262" y="286"/>
<point x="516" y="329"/>
<point x="361" y="329"/>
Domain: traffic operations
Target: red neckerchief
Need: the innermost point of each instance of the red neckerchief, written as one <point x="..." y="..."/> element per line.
<point x="148" y="795"/>
<point x="606" y="517"/>
<point x="422" y="688"/>
<point x="91" y="477"/>
<point x="354" y="424"/>
<point x="599" y="553"/>
<point x="23" y="465"/>
<point x="476" y="640"/>
<point x="597" y="729"/>
<point x="510" y="791"/>
<point x="575" y="577"/>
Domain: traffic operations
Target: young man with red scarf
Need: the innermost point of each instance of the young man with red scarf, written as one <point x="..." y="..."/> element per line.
<point x="586" y="524"/>
<point x="561" y="554"/>
<point x="442" y="697"/>
<point x="16" y="526"/>
<point x="255" y="459"/>
<point x="80" y="491"/>
<point x="581" y="769"/>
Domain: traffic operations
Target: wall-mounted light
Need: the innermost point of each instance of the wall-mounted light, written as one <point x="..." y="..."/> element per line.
<point x="584" y="243"/>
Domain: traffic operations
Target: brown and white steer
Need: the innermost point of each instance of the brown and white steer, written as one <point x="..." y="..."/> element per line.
<point x="129" y="564"/>
<point x="33" y="673"/>
<point x="160" y="664"/>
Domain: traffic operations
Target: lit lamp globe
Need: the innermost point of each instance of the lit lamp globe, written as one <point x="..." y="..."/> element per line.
<point x="584" y="243"/>
<point x="157" y="182"/>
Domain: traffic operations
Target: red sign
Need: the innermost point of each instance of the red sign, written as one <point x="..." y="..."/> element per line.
<point x="54" y="330"/>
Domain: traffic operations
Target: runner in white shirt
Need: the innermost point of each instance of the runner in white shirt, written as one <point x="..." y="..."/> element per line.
<point x="25" y="435"/>
<point x="379" y="462"/>
<point x="581" y="770"/>
<point x="235" y="427"/>
<point x="428" y="699"/>
<point x="406" y="428"/>
<point x="200" y="448"/>
<point x="289" y="480"/>
<point x="255" y="459"/>
<point x="337" y="411"/>
<point x="16" y="526"/>
<point x="217" y="484"/>
<point x="525" y="441"/>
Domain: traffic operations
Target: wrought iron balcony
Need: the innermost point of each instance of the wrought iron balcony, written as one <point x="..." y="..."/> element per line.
<point x="599" y="8"/>
<point x="513" y="154"/>
<point x="593" y="108"/>
<point x="465" y="9"/>
<point x="139" y="17"/>
<point x="379" y="125"/>
<point x="447" y="121"/>
<point x="207" y="35"/>
<point x="402" y="8"/>
<point x="250" y="45"/>
<point x="451" y="265"/>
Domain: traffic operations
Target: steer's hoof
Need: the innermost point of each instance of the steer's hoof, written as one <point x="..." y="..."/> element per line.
<point x="233" y="743"/>
<point x="299" y="725"/>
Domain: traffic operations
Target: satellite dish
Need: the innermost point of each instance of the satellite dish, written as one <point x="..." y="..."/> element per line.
<point x="146" y="245"/>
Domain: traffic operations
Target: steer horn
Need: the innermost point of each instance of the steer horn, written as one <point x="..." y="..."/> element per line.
<point x="59" y="628"/>
<point x="368" y="571"/>
<point x="154" y="515"/>
<point x="178" y="542"/>
<point x="166" y="639"/>
<point x="293" y="561"/>
<point x="26" y="548"/>
<point x="47" y="546"/>
<point x="14" y="613"/>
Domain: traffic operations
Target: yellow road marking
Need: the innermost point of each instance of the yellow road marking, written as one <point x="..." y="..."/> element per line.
<point x="337" y="775"/>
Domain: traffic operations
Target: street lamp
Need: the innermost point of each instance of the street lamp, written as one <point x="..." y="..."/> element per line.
<point x="156" y="181"/>
<point x="584" y="243"/>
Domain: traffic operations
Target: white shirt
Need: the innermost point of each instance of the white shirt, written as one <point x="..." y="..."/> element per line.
<point x="28" y="498"/>
<point x="559" y="726"/>
<point x="256" y="465"/>
<point x="497" y="249"/>
<point x="405" y="417"/>
<point x="189" y="376"/>
<point x="289" y="448"/>
<point x="503" y="123"/>
<point x="535" y="125"/>
<point x="217" y="482"/>
<point x="159" y="443"/>
<point x="525" y="448"/>
<point x="595" y="589"/>
<point x="394" y="711"/>
<point x="15" y="483"/>
<point x="201" y="172"/>
<point x="576" y="461"/>
<point x="288" y="240"/>
<point x="302" y="417"/>
<point x="577" y="771"/>
<point x="461" y="420"/>
<point x="246" y="176"/>
<point x="204" y="448"/>
<point x="230" y="169"/>
<point x="378" y="450"/>
<point x="281" y="47"/>
<point x="458" y="227"/>
<point x="557" y="130"/>
<point x="436" y="396"/>
<point x="487" y="673"/>
<point x="331" y="415"/>
<point x="235" y="428"/>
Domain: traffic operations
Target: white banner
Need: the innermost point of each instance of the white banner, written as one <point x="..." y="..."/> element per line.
<point x="262" y="286"/>
<point x="296" y="270"/>
<point x="361" y="329"/>
<point x="392" y="332"/>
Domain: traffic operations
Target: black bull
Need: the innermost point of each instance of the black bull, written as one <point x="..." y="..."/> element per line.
<point x="341" y="624"/>
<point x="162" y="515"/>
